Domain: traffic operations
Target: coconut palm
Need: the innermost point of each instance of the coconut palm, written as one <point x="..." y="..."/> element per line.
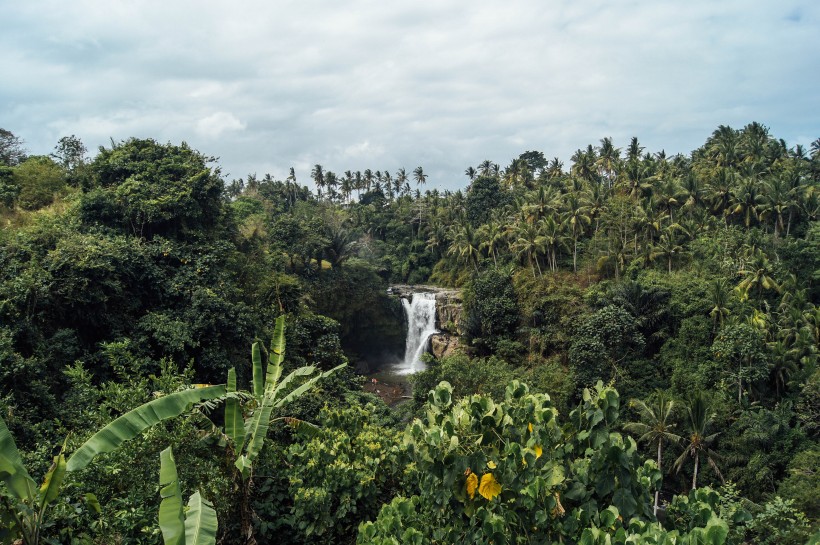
<point x="699" y="420"/>
<point x="465" y="244"/>
<point x="746" y="200"/>
<point x="757" y="275"/>
<point x="719" y="297"/>
<point x="419" y="176"/>
<point x="528" y="243"/>
<point x="576" y="218"/>
<point x="318" y="175"/>
<point x="608" y="160"/>
<point x="553" y="239"/>
<point x="655" y="426"/>
<point x="492" y="234"/>
<point x="667" y="247"/>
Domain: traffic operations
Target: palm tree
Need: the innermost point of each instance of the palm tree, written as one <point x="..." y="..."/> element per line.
<point x="527" y="243"/>
<point x="723" y="146"/>
<point x="419" y="176"/>
<point x="757" y="275"/>
<point x="720" y="191"/>
<point x="699" y="419"/>
<point x="655" y="427"/>
<point x="746" y="200"/>
<point x="719" y="296"/>
<point x="553" y="237"/>
<point x="318" y="175"/>
<point x="400" y="181"/>
<point x="555" y="169"/>
<point x="667" y="246"/>
<point x="583" y="163"/>
<point x="577" y="218"/>
<point x="608" y="159"/>
<point x="471" y="173"/>
<point x="783" y="364"/>
<point x="465" y="244"/>
<point x="486" y="168"/>
<point x="491" y="234"/>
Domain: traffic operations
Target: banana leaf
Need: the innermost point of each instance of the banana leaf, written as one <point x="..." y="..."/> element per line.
<point x="234" y="423"/>
<point x="12" y="470"/>
<point x="53" y="480"/>
<point x="257" y="432"/>
<point x="277" y="352"/>
<point x="303" y="388"/>
<point x="200" y="522"/>
<point x="171" y="520"/>
<point x="258" y="376"/>
<point x="134" y="422"/>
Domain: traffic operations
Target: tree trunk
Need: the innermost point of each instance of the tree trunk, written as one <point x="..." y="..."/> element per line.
<point x="574" y="255"/>
<point x="695" y="475"/>
<point x="657" y="492"/>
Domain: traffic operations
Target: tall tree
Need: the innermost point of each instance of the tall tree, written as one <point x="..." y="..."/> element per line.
<point x="11" y="149"/>
<point x="698" y="423"/>
<point x="419" y="176"/>
<point x="655" y="427"/>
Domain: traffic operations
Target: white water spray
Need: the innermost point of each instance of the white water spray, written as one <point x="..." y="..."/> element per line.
<point x="421" y="324"/>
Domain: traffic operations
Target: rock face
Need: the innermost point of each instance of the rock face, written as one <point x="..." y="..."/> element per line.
<point x="448" y="312"/>
<point x="443" y="345"/>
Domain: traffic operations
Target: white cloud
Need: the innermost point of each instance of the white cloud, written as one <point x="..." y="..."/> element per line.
<point x="438" y="83"/>
<point x="217" y="123"/>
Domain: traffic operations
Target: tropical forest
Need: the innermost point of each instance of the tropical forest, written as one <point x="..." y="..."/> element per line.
<point x="622" y="349"/>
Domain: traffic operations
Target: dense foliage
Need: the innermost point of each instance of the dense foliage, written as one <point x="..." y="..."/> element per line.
<point x="662" y="311"/>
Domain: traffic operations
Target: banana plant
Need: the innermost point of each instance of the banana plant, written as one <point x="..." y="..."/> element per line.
<point x="269" y="393"/>
<point x="24" y="507"/>
<point x="197" y="526"/>
<point x="247" y="433"/>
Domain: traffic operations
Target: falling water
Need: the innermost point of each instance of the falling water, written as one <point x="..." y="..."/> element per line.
<point x="421" y="324"/>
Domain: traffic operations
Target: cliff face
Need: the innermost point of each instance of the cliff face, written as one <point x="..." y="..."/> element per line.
<point x="448" y="316"/>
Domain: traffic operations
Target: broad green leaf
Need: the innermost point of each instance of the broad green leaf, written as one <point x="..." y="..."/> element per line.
<point x="230" y="386"/>
<point x="301" y="372"/>
<point x="303" y="428"/>
<point x="200" y="522"/>
<point x="554" y="476"/>
<point x="93" y="502"/>
<point x="171" y="520"/>
<point x="257" y="432"/>
<point x="138" y="420"/>
<point x="258" y="375"/>
<point x="53" y="480"/>
<point x="234" y="422"/>
<point x="303" y="388"/>
<point x="277" y="353"/>
<point x="12" y="470"/>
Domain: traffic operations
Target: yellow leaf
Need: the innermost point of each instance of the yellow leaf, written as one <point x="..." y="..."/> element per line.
<point x="529" y="427"/>
<point x="538" y="451"/>
<point x="472" y="484"/>
<point x="491" y="464"/>
<point x="489" y="487"/>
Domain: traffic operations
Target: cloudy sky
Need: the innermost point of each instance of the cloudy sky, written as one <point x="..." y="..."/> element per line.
<point x="265" y="85"/>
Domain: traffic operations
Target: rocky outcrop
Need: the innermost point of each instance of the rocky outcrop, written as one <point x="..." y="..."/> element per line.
<point x="443" y="345"/>
<point x="448" y="312"/>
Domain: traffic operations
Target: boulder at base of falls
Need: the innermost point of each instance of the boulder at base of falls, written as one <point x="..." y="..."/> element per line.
<point x="443" y="345"/>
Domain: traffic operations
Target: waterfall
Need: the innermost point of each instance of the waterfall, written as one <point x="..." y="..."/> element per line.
<point x="421" y="324"/>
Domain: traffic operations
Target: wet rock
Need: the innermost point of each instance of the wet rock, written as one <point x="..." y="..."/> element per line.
<point x="443" y="345"/>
